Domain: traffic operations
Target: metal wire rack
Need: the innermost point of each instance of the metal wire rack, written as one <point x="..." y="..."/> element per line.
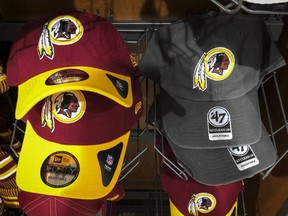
<point x="270" y="82"/>
<point x="137" y="35"/>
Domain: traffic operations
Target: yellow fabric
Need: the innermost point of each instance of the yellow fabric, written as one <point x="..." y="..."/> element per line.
<point x="2" y="75"/>
<point x="3" y="83"/>
<point x="33" y="90"/>
<point x="234" y="210"/>
<point x="88" y="184"/>
<point x="173" y="210"/>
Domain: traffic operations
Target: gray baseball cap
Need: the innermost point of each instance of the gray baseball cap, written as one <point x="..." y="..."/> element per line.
<point x="210" y="68"/>
<point x="217" y="166"/>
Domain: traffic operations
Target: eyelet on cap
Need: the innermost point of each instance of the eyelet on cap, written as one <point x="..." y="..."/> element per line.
<point x="240" y="33"/>
<point x="196" y="38"/>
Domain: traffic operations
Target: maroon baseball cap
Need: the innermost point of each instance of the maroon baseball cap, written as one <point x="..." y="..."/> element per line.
<point x="193" y="198"/>
<point x="38" y="204"/>
<point x="75" y="143"/>
<point x="70" y="50"/>
<point x="190" y="197"/>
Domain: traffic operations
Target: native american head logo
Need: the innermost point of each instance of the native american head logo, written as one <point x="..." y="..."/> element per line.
<point x="201" y="202"/>
<point x="66" y="107"/>
<point x="217" y="64"/>
<point x="63" y="30"/>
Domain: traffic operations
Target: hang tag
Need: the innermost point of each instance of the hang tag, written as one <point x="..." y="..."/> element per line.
<point x="243" y="156"/>
<point x="219" y="124"/>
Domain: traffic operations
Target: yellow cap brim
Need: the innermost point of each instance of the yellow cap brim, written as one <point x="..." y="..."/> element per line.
<point x="85" y="180"/>
<point x="173" y="209"/>
<point x="33" y="90"/>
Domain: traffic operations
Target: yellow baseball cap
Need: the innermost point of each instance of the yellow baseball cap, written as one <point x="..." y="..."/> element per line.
<point x="75" y="143"/>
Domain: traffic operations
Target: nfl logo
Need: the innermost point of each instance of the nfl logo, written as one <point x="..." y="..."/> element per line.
<point x="109" y="160"/>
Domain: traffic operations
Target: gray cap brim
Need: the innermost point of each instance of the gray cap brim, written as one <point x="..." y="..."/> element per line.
<point x="222" y="166"/>
<point x="186" y="124"/>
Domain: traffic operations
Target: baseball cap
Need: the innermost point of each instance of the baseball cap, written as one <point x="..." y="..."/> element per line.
<point x="193" y="198"/>
<point x="70" y="50"/>
<point x="217" y="166"/>
<point x="198" y="198"/>
<point x="210" y="68"/>
<point x="75" y="144"/>
<point x="39" y="204"/>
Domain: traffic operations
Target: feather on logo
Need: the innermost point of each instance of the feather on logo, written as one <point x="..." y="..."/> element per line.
<point x="45" y="47"/>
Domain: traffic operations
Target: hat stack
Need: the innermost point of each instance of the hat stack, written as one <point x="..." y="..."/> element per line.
<point x="209" y="69"/>
<point x="79" y="93"/>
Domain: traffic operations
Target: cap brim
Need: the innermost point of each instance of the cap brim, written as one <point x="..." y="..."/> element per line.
<point x="221" y="166"/>
<point x="74" y="171"/>
<point x="112" y="85"/>
<point x="211" y="124"/>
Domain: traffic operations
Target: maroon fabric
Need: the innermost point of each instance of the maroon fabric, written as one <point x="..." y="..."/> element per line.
<point x="104" y="120"/>
<point x="44" y="205"/>
<point x="101" y="46"/>
<point x="180" y="192"/>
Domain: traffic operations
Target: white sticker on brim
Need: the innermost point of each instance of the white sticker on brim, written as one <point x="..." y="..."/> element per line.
<point x="243" y="156"/>
<point x="219" y="124"/>
<point x="60" y="169"/>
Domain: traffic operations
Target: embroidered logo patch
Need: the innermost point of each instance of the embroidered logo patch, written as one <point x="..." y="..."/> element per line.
<point x="217" y="64"/>
<point x="66" y="107"/>
<point x="202" y="203"/>
<point x="63" y="30"/>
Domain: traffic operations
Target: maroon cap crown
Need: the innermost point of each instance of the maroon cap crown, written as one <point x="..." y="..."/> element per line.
<point x="38" y="204"/>
<point x="65" y="39"/>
